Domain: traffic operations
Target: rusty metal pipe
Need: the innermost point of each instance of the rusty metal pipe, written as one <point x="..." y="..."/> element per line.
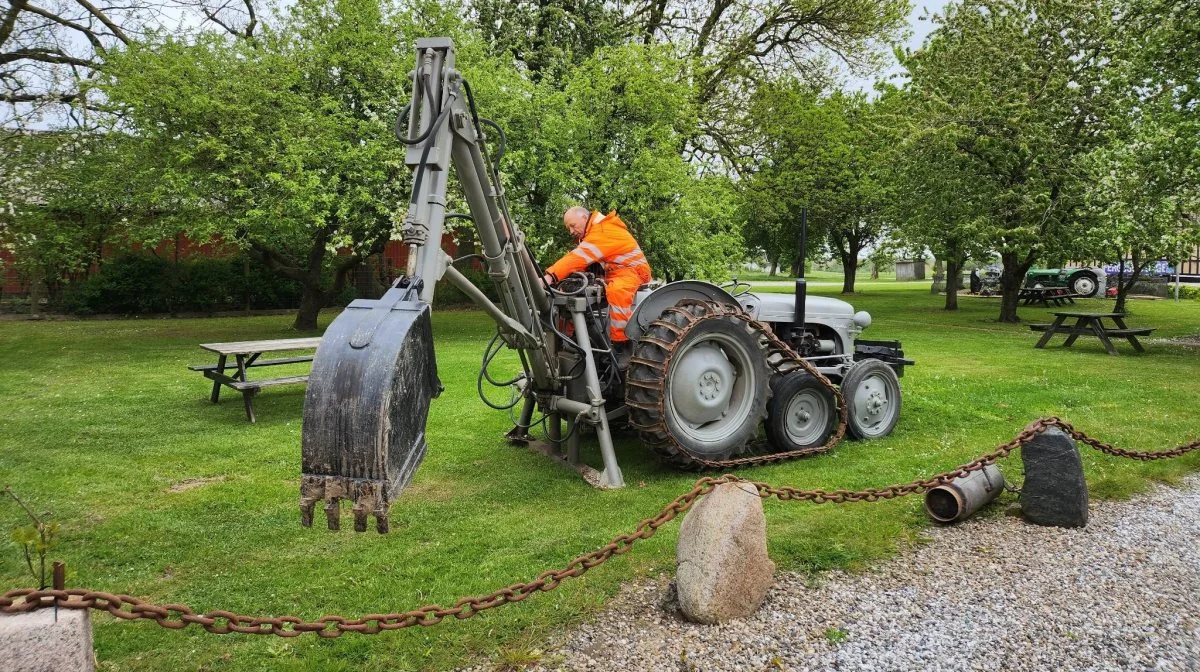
<point x="958" y="499"/>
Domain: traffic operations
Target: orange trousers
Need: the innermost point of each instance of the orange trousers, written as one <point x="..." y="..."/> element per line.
<point x="621" y="288"/>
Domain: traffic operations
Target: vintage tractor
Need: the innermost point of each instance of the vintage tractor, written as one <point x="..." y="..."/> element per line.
<point x="1085" y="282"/>
<point x="709" y="364"/>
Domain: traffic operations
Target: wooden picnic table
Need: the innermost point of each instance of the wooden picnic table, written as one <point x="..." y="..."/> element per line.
<point x="247" y="355"/>
<point x="1045" y="296"/>
<point x="1091" y="324"/>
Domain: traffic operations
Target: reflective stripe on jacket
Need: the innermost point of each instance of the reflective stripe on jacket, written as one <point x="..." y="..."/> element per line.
<point x="606" y="240"/>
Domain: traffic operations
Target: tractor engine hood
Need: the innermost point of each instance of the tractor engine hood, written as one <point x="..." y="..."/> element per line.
<point x="782" y="307"/>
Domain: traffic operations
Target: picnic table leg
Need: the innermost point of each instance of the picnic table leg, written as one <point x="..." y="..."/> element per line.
<point x="1058" y="320"/>
<point x="1079" y="324"/>
<point x="1099" y="329"/>
<point x="216" y="393"/>
<point x="248" y="397"/>
<point x="241" y="362"/>
<point x="1137" y="345"/>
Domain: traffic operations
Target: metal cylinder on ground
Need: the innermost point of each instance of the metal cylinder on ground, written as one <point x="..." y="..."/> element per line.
<point x="962" y="497"/>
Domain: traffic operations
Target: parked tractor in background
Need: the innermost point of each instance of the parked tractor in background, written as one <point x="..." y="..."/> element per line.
<point x="709" y="364"/>
<point x="1085" y="282"/>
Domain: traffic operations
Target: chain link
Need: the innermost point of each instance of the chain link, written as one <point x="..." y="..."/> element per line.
<point x="177" y="616"/>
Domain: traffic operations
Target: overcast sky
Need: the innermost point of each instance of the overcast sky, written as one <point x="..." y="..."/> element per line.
<point x="920" y="29"/>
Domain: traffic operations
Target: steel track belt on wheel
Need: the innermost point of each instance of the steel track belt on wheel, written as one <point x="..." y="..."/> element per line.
<point x="781" y="359"/>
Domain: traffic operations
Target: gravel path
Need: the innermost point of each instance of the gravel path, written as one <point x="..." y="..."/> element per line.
<point x="1121" y="594"/>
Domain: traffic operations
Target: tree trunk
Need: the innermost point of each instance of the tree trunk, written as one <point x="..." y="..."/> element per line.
<point x="773" y="262"/>
<point x="312" y="300"/>
<point x="1124" y="285"/>
<point x="953" y="277"/>
<point x="1010" y="285"/>
<point x="849" y="270"/>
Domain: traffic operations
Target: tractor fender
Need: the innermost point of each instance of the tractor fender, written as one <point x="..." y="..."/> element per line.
<point x="650" y="303"/>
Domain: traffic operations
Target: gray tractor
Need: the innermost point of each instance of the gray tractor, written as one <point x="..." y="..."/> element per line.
<point x="710" y="365"/>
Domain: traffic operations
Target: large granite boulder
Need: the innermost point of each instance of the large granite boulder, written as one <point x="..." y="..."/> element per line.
<point x="721" y="566"/>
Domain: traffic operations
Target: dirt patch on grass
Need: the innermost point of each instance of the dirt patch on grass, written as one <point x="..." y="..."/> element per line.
<point x="434" y="491"/>
<point x="1189" y="341"/>
<point x="193" y="483"/>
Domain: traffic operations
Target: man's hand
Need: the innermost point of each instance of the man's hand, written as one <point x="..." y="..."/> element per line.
<point x="548" y="279"/>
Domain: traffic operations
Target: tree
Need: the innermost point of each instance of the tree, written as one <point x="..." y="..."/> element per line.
<point x="932" y="205"/>
<point x="282" y="144"/>
<point x="1018" y="91"/>
<point x="1145" y="186"/>
<point x="617" y="144"/>
<point x="1144" y="208"/>
<point x="823" y="153"/>
<point x="52" y="51"/>
<point x="65" y="197"/>
<point x="736" y="47"/>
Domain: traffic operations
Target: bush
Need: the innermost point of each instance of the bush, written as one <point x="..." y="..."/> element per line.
<point x="446" y="294"/>
<point x="141" y="283"/>
<point x="1164" y="289"/>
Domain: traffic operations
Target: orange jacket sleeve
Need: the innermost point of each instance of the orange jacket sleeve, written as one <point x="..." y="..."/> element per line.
<point x="575" y="260"/>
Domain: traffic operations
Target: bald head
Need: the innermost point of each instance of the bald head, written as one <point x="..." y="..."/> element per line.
<point x="576" y="219"/>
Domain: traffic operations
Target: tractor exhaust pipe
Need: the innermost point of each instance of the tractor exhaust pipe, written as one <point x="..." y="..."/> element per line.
<point x="801" y="283"/>
<point x="959" y="499"/>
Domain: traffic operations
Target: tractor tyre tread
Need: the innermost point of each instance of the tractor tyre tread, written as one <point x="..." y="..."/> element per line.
<point x="665" y="335"/>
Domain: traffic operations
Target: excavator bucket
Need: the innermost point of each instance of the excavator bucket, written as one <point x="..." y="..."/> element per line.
<point x="364" y="414"/>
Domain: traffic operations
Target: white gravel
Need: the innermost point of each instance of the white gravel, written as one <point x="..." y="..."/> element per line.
<point x="998" y="594"/>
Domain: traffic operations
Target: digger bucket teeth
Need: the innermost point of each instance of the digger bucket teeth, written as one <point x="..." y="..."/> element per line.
<point x="365" y="410"/>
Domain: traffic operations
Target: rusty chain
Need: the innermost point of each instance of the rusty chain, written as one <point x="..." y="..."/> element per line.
<point x="176" y="616"/>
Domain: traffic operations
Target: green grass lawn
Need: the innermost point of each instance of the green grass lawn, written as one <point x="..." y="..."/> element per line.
<point x="167" y="497"/>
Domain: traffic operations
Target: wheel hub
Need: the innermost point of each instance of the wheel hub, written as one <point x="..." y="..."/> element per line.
<point x="870" y="400"/>
<point x="806" y="420"/>
<point x="703" y="384"/>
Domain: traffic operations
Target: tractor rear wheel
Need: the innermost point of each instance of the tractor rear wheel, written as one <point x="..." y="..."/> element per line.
<point x="697" y="385"/>
<point x="1084" y="283"/>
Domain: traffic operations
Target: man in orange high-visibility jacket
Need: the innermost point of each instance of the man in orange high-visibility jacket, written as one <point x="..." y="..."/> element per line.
<point x="605" y="239"/>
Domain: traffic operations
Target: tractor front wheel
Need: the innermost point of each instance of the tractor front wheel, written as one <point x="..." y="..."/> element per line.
<point x="803" y="413"/>
<point x="872" y="392"/>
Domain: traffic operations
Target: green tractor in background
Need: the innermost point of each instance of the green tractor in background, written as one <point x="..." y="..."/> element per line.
<point x="1085" y="282"/>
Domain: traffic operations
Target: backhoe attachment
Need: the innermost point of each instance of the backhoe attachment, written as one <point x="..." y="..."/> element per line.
<point x="366" y="406"/>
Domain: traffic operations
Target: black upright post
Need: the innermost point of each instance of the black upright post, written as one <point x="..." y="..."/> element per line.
<point x="801" y="283"/>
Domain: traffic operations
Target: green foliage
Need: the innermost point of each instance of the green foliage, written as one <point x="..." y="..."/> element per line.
<point x="36" y="540"/>
<point x="64" y="197"/>
<point x="615" y="141"/>
<point x="281" y="144"/>
<point x="140" y="283"/>
<point x="1005" y="98"/>
<point x="824" y="153"/>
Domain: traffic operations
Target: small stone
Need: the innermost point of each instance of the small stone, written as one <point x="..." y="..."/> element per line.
<point x="722" y="570"/>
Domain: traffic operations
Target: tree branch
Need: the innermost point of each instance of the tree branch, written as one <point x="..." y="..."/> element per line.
<point x="103" y="18"/>
<point x="44" y="56"/>
<point x="91" y="37"/>
<point x="35" y="97"/>
<point x="10" y="19"/>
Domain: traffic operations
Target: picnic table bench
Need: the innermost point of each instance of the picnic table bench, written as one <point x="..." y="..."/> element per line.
<point x="247" y="355"/>
<point x="1091" y="324"/>
<point x="1045" y="296"/>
